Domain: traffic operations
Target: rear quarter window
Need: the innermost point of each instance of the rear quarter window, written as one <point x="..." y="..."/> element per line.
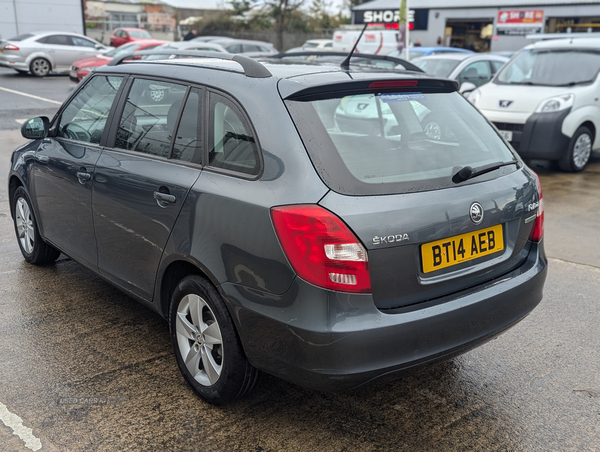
<point x="395" y="143"/>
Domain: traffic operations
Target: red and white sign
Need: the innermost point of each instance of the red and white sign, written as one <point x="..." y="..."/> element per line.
<point x="520" y="17"/>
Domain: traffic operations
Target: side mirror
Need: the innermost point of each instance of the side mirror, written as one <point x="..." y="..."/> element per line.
<point x="467" y="87"/>
<point x="35" y="128"/>
<point x="99" y="47"/>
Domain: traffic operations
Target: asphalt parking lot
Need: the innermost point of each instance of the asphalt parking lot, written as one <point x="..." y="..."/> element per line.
<point x="85" y="368"/>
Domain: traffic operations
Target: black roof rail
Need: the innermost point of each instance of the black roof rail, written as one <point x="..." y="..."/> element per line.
<point x="252" y="68"/>
<point x="406" y="64"/>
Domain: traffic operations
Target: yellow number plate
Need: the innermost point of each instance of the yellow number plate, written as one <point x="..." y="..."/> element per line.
<point x="461" y="248"/>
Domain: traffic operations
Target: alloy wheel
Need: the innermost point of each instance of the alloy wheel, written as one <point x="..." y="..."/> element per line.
<point x="582" y="150"/>
<point x="199" y="339"/>
<point x="25" y="227"/>
<point x="40" y="67"/>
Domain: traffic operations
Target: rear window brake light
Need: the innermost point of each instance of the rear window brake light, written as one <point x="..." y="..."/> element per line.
<point x="394" y="84"/>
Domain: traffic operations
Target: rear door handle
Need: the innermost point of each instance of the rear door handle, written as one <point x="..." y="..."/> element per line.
<point x="164" y="197"/>
<point x="83" y="176"/>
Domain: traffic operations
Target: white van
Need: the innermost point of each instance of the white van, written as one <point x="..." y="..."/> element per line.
<point x="546" y="101"/>
<point x="376" y="41"/>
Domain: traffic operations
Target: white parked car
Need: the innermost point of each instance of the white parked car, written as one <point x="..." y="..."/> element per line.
<point x="43" y="52"/>
<point x="546" y="101"/>
<point x="470" y="70"/>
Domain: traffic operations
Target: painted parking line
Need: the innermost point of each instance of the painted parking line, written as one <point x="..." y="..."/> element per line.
<point x="20" y="121"/>
<point x="30" y="95"/>
<point x="15" y="423"/>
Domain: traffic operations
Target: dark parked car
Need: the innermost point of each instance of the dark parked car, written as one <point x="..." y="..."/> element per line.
<point x="274" y="232"/>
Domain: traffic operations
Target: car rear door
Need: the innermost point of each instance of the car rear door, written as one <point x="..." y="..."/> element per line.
<point x="143" y="179"/>
<point x="64" y="168"/>
<point x="61" y="50"/>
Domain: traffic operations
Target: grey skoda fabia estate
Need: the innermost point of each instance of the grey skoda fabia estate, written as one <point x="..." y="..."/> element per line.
<point x="327" y="225"/>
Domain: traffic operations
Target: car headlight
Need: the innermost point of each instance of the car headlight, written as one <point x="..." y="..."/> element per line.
<point x="89" y="68"/>
<point x="474" y="97"/>
<point x="557" y="103"/>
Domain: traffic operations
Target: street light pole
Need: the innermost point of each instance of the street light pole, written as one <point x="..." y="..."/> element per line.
<point x="407" y="40"/>
<point x="16" y="19"/>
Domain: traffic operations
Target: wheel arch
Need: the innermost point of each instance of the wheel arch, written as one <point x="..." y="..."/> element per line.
<point x="13" y="184"/>
<point x="174" y="272"/>
<point x="590" y="125"/>
<point x="43" y="55"/>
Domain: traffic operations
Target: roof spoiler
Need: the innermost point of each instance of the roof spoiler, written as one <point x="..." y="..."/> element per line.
<point x="252" y="68"/>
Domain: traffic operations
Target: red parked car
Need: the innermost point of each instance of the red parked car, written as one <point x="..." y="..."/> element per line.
<point x="83" y="67"/>
<point x="122" y="36"/>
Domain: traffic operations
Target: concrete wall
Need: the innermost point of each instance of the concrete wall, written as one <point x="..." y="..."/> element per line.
<point x="23" y="16"/>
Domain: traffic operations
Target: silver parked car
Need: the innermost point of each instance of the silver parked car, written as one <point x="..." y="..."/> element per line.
<point x="244" y="46"/>
<point x="192" y="45"/>
<point x="470" y="70"/>
<point x="43" y="52"/>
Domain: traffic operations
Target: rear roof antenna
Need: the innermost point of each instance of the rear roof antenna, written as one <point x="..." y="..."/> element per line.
<point x="346" y="63"/>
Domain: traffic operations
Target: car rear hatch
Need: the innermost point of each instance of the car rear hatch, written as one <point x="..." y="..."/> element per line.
<point x="390" y="152"/>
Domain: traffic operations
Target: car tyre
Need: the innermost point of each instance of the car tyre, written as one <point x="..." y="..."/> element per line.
<point x="40" y="67"/>
<point x="579" y="151"/>
<point x="206" y="345"/>
<point x="34" y="249"/>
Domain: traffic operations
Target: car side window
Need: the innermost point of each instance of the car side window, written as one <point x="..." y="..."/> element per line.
<point x="80" y="42"/>
<point x="477" y="73"/>
<point x="150" y="117"/>
<point x="496" y="65"/>
<point x="232" y="145"/>
<point x="187" y="146"/>
<point x="251" y="48"/>
<point x="235" y="48"/>
<point x="85" y="116"/>
<point x="61" y="40"/>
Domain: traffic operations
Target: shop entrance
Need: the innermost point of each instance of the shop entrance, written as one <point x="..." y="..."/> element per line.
<point x="471" y="34"/>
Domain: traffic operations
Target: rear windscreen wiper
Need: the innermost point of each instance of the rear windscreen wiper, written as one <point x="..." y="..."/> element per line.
<point x="469" y="172"/>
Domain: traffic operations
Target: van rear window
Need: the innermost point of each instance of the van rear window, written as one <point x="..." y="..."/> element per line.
<point x="396" y="142"/>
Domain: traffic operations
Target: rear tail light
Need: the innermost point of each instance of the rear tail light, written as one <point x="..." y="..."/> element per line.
<point x="10" y="47"/>
<point x="321" y="248"/>
<point x="537" y="232"/>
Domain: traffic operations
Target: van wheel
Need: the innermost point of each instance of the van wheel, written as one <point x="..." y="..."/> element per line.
<point x="579" y="151"/>
<point x="206" y="345"/>
<point x="34" y="249"/>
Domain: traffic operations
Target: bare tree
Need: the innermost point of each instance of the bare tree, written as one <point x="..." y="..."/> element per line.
<point x="282" y="10"/>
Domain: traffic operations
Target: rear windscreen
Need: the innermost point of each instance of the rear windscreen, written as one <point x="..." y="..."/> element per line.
<point x="396" y="142"/>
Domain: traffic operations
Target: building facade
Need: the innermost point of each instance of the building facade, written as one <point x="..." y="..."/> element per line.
<point x="483" y="25"/>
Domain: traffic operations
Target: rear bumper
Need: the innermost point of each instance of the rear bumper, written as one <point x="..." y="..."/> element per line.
<point x="13" y="62"/>
<point x="540" y="137"/>
<point x="331" y="341"/>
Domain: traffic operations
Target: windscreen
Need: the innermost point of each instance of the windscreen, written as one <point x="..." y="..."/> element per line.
<point x="395" y="142"/>
<point x="140" y="34"/>
<point x="440" y="67"/>
<point x="21" y="37"/>
<point x="551" y="67"/>
<point x="123" y="50"/>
